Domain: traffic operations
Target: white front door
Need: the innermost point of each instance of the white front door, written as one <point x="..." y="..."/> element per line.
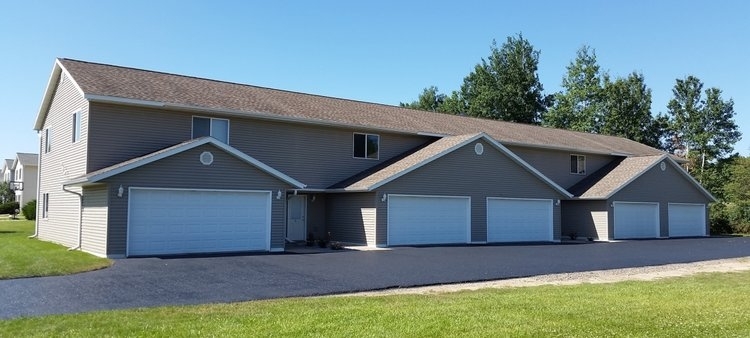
<point x="296" y="221"/>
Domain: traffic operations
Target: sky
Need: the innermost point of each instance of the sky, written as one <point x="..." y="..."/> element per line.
<point x="379" y="51"/>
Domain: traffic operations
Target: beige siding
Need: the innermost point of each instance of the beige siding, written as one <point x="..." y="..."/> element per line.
<point x="664" y="187"/>
<point x="555" y="164"/>
<point x="94" y="230"/>
<point x="184" y="170"/>
<point x="345" y="219"/>
<point x="464" y="173"/>
<point x="66" y="160"/>
<point x="315" y="155"/>
<point x="585" y="218"/>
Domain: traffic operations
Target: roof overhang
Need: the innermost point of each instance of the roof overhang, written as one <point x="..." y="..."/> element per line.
<point x="57" y="71"/>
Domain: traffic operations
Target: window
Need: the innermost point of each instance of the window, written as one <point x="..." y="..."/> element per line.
<point x="578" y="164"/>
<point x="366" y="146"/>
<point x="47" y="140"/>
<point x="216" y="128"/>
<point x="19" y="174"/>
<point x="76" y="127"/>
<point x="45" y="205"/>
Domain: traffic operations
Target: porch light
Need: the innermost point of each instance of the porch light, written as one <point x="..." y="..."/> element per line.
<point x="384" y="198"/>
<point x="120" y="191"/>
<point x="278" y="195"/>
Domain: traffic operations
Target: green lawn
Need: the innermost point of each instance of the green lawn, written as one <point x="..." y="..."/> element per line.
<point x="24" y="257"/>
<point x="707" y="305"/>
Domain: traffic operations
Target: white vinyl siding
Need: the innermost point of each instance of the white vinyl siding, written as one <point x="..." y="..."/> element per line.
<point x="47" y="140"/>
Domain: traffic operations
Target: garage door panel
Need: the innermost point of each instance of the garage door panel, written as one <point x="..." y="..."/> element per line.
<point x="519" y="220"/>
<point x="687" y="220"/>
<point x="636" y="220"/>
<point x="427" y="220"/>
<point x="186" y="221"/>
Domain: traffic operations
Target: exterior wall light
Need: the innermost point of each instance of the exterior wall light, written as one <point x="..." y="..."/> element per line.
<point x="278" y="195"/>
<point x="120" y="191"/>
<point x="384" y="198"/>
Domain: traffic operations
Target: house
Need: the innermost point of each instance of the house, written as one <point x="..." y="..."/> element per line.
<point x="138" y="163"/>
<point x="7" y="172"/>
<point x="21" y="174"/>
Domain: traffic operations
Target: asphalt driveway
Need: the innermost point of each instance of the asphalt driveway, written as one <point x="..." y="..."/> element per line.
<point x="148" y="282"/>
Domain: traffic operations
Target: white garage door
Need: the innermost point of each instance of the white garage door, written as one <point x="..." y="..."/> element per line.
<point x="687" y="220"/>
<point x="636" y="220"/>
<point x="519" y="220"/>
<point x="170" y="221"/>
<point x="428" y="219"/>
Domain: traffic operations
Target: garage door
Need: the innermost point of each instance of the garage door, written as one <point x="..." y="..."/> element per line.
<point x="167" y="221"/>
<point x="428" y="219"/>
<point x="519" y="220"/>
<point x="687" y="220"/>
<point x="636" y="220"/>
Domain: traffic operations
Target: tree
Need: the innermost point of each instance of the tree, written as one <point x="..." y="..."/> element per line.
<point x="626" y="104"/>
<point x="702" y="127"/>
<point x="6" y="194"/>
<point x="430" y="100"/>
<point x="578" y="106"/>
<point x="506" y="86"/>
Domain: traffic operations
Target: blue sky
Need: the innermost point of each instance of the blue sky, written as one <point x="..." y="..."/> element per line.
<point x="384" y="51"/>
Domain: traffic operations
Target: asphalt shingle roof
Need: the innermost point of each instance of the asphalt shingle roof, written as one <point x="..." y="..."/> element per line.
<point x="609" y="179"/>
<point x="178" y="90"/>
<point x="27" y="159"/>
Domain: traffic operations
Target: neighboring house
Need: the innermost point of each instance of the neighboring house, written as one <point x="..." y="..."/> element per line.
<point x="138" y="163"/>
<point x="7" y="172"/>
<point x="24" y="177"/>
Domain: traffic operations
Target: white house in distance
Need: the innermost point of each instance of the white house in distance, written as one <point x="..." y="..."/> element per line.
<point x="23" y="177"/>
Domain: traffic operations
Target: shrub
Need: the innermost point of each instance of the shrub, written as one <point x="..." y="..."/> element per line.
<point x="29" y="210"/>
<point x="719" y="220"/>
<point x="8" y="208"/>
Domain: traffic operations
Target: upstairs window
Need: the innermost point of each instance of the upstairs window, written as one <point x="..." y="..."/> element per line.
<point x="45" y="205"/>
<point x="19" y="174"/>
<point x="216" y="128"/>
<point x="76" y="127"/>
<point x="366" y="146"/>
<point x="578" y="164"/>
<point x="47" y="140"/>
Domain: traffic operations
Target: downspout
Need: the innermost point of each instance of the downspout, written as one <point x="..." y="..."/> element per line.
<point x="80" y="216"/>
<point x="38" y="185"/>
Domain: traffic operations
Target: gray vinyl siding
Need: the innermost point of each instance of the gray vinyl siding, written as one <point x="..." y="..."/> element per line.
<point x="664" y="187"/>
<point x="555" y="164"/>
<point x="464" y="173"/>
<point x="65" y="161"/>
<point x="586" y="219"/>
<point x="184" y="170"/>
<point x="318" y="156"/>
<point x="316" y="215"/>
<point x="345" y="218"/>
<point x="94" y="220"/>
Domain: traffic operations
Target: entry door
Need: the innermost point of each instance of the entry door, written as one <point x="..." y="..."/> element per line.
<point x="296" y="223"/>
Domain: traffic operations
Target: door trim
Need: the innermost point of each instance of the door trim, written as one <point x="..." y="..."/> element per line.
<point x="388" y="210"/>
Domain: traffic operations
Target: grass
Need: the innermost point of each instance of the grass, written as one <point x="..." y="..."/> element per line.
<point x="24" y="257"/>
<point x="705" y="305"/>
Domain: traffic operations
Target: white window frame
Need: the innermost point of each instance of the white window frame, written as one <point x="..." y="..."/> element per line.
<point x="47" y="140"/>
<point x="19" y="174"/>
<point x="578" y="164"/>
<point x="377" y="157"/>
<point x="210" y="126"/>
<point x="77" y="126"/>
<point x="45" y="205"/>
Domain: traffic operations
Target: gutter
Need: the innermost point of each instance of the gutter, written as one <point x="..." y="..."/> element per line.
<point x="80" y="216"/>
<point x="38" y="185"/>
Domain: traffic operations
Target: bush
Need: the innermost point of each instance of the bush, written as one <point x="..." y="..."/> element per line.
<point x="719" y="220"/>
<point x="8" y="208"/>
<point x="29" y="210"/>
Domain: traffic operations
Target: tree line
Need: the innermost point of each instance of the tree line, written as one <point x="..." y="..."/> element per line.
<point x="698" y="124"/>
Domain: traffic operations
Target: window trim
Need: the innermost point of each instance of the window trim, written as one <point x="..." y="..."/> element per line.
<point x="45" y="205"/>
<point x="77" y="125"/>
<point x="578" y="159"/>
<point x="210" y="126"/>
<point x="377" y="157"/>
<point x="47" y="140"/>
